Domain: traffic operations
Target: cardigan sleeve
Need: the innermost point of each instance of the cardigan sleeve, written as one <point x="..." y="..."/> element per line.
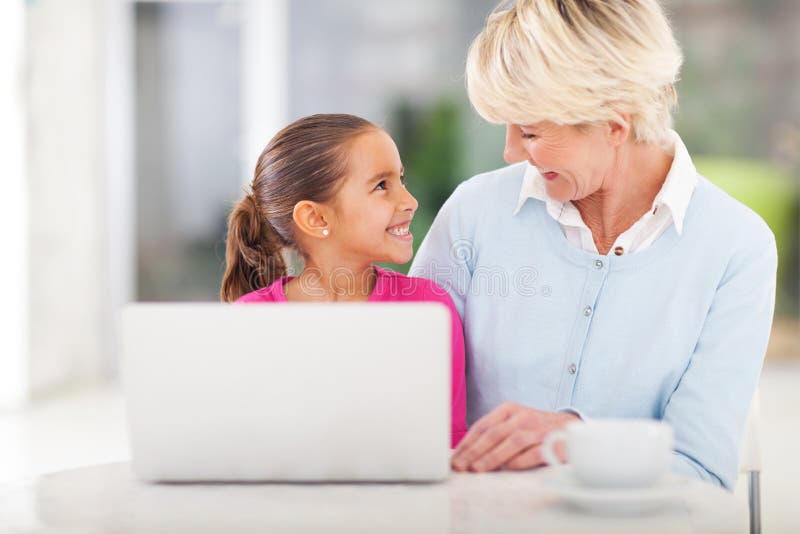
<point x="708" y="408"/>
<point x="446" y="255"/>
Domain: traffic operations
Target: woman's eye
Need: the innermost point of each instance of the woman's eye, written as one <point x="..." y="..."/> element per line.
<point x="528" y="135"/>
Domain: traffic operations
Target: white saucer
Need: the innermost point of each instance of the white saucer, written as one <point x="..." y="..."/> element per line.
<point x="668" y="491"/>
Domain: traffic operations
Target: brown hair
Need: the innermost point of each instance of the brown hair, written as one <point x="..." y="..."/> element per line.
<point x="304" y="161"/>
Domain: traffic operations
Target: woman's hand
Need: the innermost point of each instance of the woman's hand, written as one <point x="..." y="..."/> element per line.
<point x="509" y="437"/>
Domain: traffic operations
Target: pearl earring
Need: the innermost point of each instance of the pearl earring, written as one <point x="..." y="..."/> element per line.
<point x="326" y="231"/>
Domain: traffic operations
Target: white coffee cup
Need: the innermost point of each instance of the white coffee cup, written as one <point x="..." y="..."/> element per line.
<point x="614" y="453"/>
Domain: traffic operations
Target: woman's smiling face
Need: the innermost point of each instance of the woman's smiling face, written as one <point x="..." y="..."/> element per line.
<point x="373" y="209"/>
<point x="573" y="160"/>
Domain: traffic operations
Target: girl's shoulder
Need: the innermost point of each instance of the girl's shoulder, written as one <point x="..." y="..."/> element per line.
<point x="400" y="287"/>
<point x="271" y="293"/>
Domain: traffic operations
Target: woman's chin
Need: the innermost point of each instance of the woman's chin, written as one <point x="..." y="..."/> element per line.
<point x="560" y="192"/>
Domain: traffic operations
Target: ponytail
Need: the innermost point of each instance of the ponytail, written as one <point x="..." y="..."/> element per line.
<point x="252" y="253"/>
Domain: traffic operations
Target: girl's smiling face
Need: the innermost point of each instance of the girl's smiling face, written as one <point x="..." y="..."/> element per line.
<point x="372" y="210"/>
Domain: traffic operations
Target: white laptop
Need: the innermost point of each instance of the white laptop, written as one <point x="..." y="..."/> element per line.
<point x="288" y="392"/>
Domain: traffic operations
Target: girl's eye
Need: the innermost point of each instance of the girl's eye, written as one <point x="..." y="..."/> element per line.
<point x="382" y="184"/>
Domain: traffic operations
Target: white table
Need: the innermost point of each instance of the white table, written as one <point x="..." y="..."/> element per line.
<point x="107" y="498"/>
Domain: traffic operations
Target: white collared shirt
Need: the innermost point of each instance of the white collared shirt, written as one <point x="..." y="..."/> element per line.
<point x="669" y="207"/>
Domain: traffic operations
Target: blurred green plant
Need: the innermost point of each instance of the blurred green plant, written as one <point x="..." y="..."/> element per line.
<point x="431" y="144"/>
<point x="772" y="193"/>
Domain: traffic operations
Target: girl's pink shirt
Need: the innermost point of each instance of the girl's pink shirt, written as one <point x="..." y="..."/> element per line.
<point x="395" y="287"/>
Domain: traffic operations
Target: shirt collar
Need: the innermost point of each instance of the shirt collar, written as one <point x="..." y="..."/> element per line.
<point x="675" y="193"/>
<point x="679" y="185"/>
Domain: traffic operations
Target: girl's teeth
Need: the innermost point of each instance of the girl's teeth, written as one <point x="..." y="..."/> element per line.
<point x="399" y="231"/>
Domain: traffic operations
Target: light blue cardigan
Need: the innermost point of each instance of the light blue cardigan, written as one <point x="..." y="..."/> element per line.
<point x="676" y="332"/>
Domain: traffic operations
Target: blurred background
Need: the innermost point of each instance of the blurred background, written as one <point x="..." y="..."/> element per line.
<point x="130" y="127"/>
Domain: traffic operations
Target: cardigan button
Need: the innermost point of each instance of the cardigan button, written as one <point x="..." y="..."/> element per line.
<point x="619" y="251"/>
<point x="598" y="264"/>
<point x="587" y="311"/>
<point x="572" y="368"/>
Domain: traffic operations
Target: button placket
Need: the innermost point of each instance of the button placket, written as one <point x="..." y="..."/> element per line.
<point x="598" y="269"/>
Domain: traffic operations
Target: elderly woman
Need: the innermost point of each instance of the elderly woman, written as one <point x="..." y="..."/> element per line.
<point x="599" y="275"/>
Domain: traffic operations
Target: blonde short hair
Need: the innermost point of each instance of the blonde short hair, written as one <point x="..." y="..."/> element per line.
<point x="577" y="62"/>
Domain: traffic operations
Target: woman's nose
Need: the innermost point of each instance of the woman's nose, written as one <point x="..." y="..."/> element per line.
<point x="514" y="152"/>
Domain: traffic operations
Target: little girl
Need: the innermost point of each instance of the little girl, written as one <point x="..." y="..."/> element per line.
<point x="332" y="188"/>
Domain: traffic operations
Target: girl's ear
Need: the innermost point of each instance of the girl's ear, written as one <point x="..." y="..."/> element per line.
<point x="311" y="219"/>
